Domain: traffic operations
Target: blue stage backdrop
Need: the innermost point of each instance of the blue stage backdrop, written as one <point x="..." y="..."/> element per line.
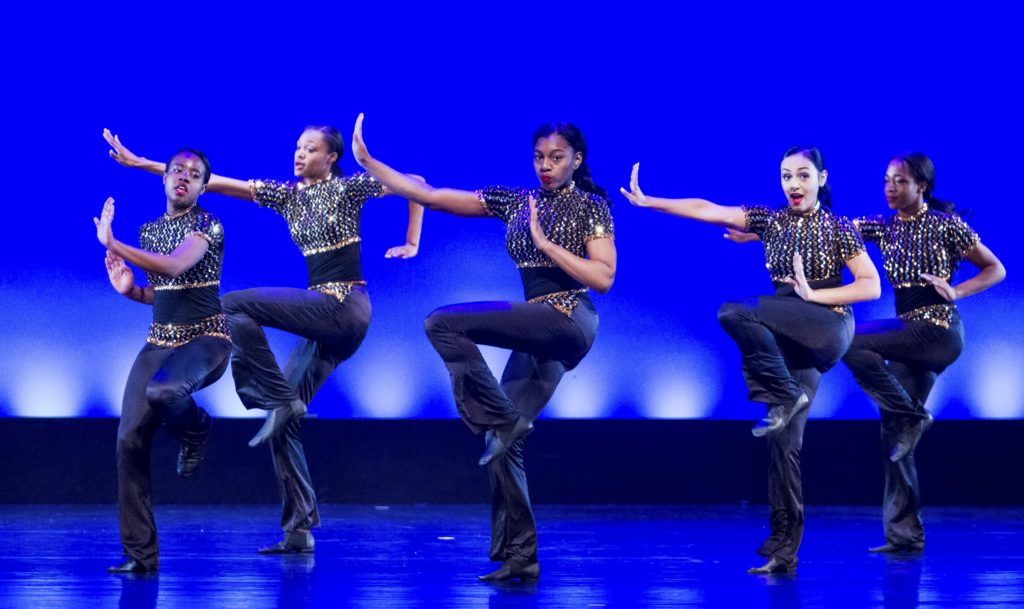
<point x="706" y="98"/>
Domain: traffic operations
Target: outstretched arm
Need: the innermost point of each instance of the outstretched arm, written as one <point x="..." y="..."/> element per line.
<point x="596" y="271"/>
<point x="450" y="200"/>
<point x="695" y="209"/>
<point x="991" y="272"/>
<point x="184" y="257"/>
<point x="230" y="187"/>
<point x="123" y="280"/>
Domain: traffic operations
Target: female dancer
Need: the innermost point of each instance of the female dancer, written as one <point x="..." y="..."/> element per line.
<point x="560" y="235"/>
<point x="331" y="317"/>
<point x="187" y="348"/>
<point x="896" y="361"/>
<point x="788" y="340"/>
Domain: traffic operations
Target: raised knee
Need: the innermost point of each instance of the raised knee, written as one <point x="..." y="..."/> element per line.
<point x="731" y="313"/>
<point x="436" y="323"/>
<point x="159" y="395"/>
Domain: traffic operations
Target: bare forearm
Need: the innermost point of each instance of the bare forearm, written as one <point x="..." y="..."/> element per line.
<point x="143" y="295"/>
<point x="415" y="228"/>
<point x="148" y="261"/>
<point x="701" y="210"/>
<point x="595" y="274"/>
<point x="986" y="278"/>
<point x="862" y="289"/>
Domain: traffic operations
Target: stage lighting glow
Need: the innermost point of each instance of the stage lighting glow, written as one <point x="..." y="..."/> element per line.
<point x="582" y="394"/>
<point x="998" y="389"/>
<point x="48" y="385"/>
<point x="380" y="391"/>
<point x="683" y="387"/>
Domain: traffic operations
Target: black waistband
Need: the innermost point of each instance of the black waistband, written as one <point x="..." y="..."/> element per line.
<point x="337" y="265"/>
<point x="540" y="281"/>
<point x="185" y="306"/>
<point x="915" y="297"/>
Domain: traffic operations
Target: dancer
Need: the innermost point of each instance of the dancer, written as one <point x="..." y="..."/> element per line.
<point x="331" y="317"/>
<point x="896" y="361"/>
<point x="560" y="235"/>
<point x="187" y="348"/>
<point x="788" y="340"/>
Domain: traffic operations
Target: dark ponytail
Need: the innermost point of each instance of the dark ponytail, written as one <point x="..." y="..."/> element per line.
<point x="814" y="156"/>
<point x="574" y="136"/>
<point x="334" y="144"/>
<point x="922" y="170"/>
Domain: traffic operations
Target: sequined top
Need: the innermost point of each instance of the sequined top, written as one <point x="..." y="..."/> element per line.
<point x="824" y="240"/>
<point x="186" y="306"/>
<point x="323" y="220"/>
<point x="929" y="242"/>
<point x="570" y="218"/>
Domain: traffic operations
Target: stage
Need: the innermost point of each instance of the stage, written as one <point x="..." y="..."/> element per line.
<point x="55" y="556"/>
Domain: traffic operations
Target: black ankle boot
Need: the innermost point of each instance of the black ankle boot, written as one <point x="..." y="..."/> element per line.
<point x="503" y="437"/>
<point x="193" y="447"/>
<point x="277" y="421"/>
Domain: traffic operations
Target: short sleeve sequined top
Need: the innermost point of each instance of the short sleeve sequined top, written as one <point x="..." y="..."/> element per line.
<point x="929" y="242"/>
<point x="570" y="218"/>
<point x="187" y="305"/>
<point x="323" y="219"/>
<point x="825" y="241"/>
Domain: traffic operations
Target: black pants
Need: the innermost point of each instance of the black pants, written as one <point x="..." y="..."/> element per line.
<point x="159" y="389"/>
<point x="786" y="345"/>
<point x="330" y="332"/>
<point x="896" y="362"/>
<point x="545" y="343"/>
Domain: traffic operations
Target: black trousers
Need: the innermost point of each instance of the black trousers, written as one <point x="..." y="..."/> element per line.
<point x="896" y="362"/>
<point x="545" y="343"/>
<point x="159" y="389"/>
<point x="786" y="345"/>
<point x="330" y="331"/>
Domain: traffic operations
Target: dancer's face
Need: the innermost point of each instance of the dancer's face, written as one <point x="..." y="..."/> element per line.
<point x="801" y="181"/>
<point x="183" y="181"/>
<point x="313" y="157"/>
<point x="901" y="191"/>
<point x="554" y="161"/>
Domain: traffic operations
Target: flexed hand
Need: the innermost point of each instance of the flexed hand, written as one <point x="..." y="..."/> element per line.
<point x="359" y="150"/>
<point x="941" y="286"/>
<point x="402" y="251"/>
<point x="119" y="153"/>
<point x="104" y="230"/>
<point x="799" y="280"/>
<point x="121" y="277"/>
<point x="634" y="194"/>
<point x="536" y="232"/>
<point x="740" y="236"/>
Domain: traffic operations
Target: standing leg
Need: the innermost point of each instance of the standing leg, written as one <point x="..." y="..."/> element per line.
<point x="530" y="383"/>
<point x="139" y="421"/>
<point x="785" y="486"/>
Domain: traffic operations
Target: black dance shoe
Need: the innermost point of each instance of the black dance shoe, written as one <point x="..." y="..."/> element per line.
<point x="909" y="436"/>
<point x="513" y="569"/>
<point x="294" y="542"/>
<point x="892" y="548"/>
<point x="503" y="437"/>
<point x="773" y="566"/>
<point x="277" y="421"/>
<point x="193" y="447"/>
<point x="130" y="565"/>
<point x="779" y="417"/>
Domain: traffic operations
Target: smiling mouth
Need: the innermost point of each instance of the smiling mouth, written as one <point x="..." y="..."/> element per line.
<point x="796" y="197"/>
<point x="181" y="190"/>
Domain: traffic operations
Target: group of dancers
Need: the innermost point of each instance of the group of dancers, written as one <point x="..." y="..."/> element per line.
<point x="560" y="235"/>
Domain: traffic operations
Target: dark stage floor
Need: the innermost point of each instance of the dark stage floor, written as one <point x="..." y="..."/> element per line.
<point x="55" y="556"/>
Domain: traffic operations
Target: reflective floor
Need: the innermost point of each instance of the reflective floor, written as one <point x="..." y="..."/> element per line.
<point x="55" y="556"/>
